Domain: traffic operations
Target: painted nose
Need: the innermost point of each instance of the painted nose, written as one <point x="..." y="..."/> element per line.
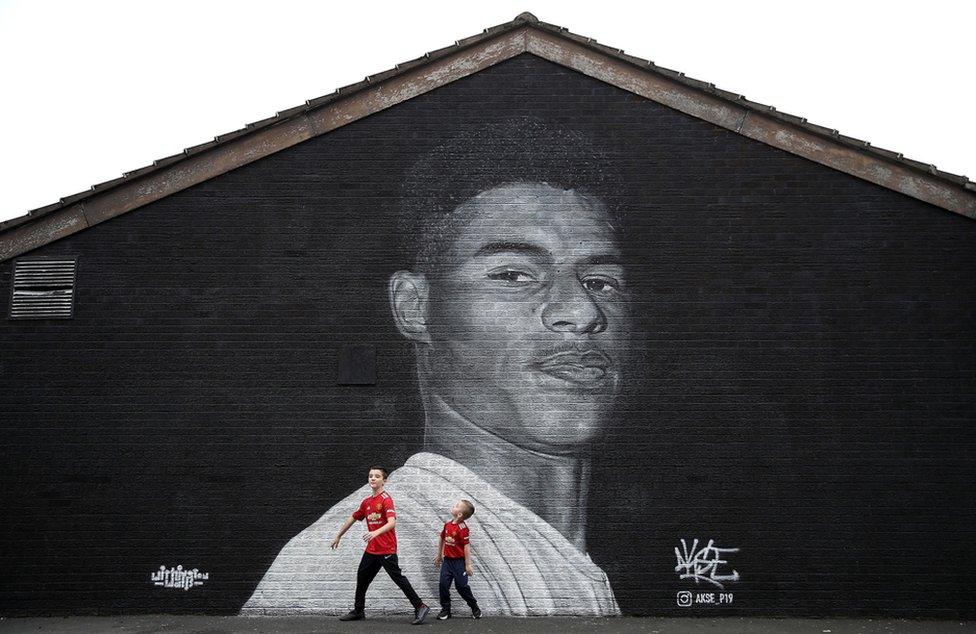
<point x="571" y="309"/>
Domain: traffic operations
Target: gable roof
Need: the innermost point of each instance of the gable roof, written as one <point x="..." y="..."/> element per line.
<point x="524" y="34"/>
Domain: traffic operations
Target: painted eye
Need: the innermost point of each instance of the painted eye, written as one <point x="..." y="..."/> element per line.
<point x="600" y="284"/>
<point x="511" y="276"/>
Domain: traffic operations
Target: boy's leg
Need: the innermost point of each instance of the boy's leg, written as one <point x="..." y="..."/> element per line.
<point x="447" y="574"/>
<point x="461" y="583"/>
<point x="369" y="565"/>
<point x="392" y="567"/>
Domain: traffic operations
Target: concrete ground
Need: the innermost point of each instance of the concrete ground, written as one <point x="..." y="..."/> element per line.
<point x="220" y="624"/>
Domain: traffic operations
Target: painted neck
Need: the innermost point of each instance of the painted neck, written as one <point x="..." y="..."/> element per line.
<point x="553" y="487"/>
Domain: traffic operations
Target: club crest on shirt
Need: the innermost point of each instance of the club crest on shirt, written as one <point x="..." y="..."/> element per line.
<point x="449" y="540"/>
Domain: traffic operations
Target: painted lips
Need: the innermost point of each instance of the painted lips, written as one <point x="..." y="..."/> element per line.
<point x="585" y="368"/>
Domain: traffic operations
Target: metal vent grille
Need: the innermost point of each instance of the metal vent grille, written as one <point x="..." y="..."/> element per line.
<point x="43" y="289"/>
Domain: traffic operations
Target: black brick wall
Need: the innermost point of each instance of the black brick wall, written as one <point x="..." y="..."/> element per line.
<point x="808" y="392"/>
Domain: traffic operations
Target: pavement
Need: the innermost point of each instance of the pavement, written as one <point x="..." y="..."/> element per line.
<point x="143" y="624"/>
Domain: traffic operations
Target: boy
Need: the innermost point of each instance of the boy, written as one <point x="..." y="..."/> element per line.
<point x="381" y="547"/>
<point x="454" y="559"/>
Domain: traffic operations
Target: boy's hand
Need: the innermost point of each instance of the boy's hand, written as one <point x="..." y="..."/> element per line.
<point x="468" y="570"/>
<point x="437" y="560"/>
<point x="335" y="542"/>
<point x="368" y="536"/>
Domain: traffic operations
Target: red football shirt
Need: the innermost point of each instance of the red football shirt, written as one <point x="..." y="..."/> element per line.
<point x="455" y="538"/>
<point x="375" y="510"/>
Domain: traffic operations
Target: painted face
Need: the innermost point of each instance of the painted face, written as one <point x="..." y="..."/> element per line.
<point x="528" y="316"/>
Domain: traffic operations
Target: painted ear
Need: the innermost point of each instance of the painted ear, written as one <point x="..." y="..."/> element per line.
<point x="408" y="301"/>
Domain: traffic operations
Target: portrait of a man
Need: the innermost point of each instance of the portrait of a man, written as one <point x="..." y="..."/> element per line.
<point x="515" y="300"/>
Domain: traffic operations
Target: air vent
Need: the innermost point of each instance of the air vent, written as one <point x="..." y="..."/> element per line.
<point x="43" y="289"/>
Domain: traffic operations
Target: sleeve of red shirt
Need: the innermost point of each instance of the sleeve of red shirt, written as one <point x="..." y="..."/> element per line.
<point x="390" y="507"/>
<point x="464" y="536"/>
<point x="359" y="514"/>
<point x="444" y="531"/>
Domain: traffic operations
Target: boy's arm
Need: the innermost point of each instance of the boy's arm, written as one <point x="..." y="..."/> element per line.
<point x="467" y="560"/>
<point x="386" y="528"/>
<point x="439" y="557"/>
<point x="342" y="531"/>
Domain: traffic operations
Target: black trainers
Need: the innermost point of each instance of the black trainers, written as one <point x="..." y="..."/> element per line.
<point x="476" y="613"/>
<point x="420" y="614"/>
<point x="444" y="614"/>
<point x="353" y="615"/>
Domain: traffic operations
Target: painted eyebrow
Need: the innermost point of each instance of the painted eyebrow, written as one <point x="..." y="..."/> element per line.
<point x="597" y="260"/>
<point x="523" y="248"/>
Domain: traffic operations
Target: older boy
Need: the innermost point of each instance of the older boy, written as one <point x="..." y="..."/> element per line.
<point x="381" y="547"/>
<point x="454" y="559"/>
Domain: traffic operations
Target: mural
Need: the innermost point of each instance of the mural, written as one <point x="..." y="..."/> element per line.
<point x="677" y="371"/>
<point x="518" y="310"/>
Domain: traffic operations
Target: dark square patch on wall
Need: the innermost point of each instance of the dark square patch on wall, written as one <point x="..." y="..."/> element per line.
<point x="357" y="365"/>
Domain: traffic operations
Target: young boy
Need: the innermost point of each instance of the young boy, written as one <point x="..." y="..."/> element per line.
<point x="454" y="559"/>
<point x="381" y="547"/>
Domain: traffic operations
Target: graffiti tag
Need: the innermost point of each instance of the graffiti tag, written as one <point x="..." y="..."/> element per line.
<point x="703" y="564"/>
<point x="178" y="578"/>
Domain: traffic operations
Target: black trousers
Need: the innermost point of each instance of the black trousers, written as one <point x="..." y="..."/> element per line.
<point x="369" y="566"/>
<point x="452" y="569"/>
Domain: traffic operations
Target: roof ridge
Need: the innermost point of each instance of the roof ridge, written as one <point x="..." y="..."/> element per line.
<point x="523" y="20"/>
<point x="282" y="115"/>
<point x="765" y="109"/>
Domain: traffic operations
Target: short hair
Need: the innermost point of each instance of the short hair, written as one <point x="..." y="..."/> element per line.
<point x="522" y="150"/>
<point x="469" y="509"/>
<point x="386" y="474"/>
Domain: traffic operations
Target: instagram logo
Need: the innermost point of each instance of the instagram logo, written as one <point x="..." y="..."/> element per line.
<point x="684" y="599"/>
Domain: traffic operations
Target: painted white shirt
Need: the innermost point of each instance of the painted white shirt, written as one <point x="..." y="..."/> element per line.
<point x="522" y="565"/>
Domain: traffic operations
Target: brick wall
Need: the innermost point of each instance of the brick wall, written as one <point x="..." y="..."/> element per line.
<point x="806" y="393"/>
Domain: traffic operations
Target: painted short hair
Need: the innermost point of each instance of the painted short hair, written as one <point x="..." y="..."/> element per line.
<point x="386" y="474"/>
<point x="468" y="509"/>
<point x="523" y="150"/>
